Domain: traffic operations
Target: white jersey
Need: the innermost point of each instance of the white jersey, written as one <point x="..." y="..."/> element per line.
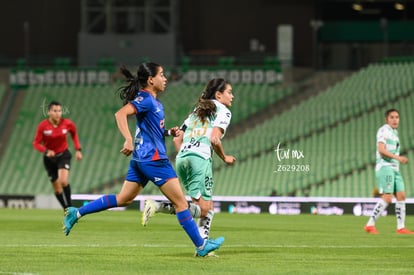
<point x="197" y="135"/>
<point x="223" y="117"/>
<point x="389" y="136"/>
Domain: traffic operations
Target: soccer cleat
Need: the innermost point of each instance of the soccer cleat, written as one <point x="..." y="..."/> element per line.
<point x="371" y="229"/>
<point x="209" y="246"/>
<point x="404" y="231"/>
<point x="70" y="219"/>
<point x="149" y="211"/>
<point x="210" y="254"/>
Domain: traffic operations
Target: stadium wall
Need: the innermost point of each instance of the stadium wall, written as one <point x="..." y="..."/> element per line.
<point x="126" y="49"/>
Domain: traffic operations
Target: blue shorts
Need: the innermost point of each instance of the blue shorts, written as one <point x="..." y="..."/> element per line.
<point x="158" y="172"/>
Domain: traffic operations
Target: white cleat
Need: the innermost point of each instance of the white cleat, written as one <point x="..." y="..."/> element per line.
<point x="150" y="209"/>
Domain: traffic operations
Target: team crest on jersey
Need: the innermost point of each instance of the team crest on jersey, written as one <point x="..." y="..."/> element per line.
<point x="47" y="132"/>
<point x="139" y="99"/>
<point x="64" y="131"/>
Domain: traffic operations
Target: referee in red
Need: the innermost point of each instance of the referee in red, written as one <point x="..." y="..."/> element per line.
<point x="50" y="139"/>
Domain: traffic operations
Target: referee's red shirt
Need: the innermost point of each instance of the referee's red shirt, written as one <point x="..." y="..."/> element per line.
<point x="54" y="138"/>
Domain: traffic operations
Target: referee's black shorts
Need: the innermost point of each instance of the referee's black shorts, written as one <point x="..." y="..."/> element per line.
<point x="60" y="161"/>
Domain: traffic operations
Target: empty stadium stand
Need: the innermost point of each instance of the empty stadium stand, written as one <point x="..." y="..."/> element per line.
<point x="318" y="146"/>
<point x="335" y="130"/>
<point x="92" y="108"/>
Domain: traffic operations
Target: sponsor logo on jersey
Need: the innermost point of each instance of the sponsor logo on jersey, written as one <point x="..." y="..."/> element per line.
<point x="47" y="132"/>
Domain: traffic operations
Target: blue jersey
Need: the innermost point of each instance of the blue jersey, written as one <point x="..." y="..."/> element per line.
<point x="149" y="134"/>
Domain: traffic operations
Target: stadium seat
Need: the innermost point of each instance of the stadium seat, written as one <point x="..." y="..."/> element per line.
<point x="324" y="127"/>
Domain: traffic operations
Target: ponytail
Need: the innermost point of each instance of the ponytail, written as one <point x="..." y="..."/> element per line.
<point x="205" y="109"/>
<point x="130" y="90"/>
<point x="135" y="83"/>
<point x="205" y="106"/>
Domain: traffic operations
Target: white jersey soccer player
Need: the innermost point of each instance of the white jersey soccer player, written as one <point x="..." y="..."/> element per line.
<point x="203" y="130"/>
<point x="387" y="172"/>
<point x="388" y="136"/>
<point x="197" y="134"/>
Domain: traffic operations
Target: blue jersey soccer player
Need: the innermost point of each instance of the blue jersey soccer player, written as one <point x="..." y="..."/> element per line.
<point x="149" y="158"/>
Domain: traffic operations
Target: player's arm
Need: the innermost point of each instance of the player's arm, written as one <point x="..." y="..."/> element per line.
<point x="122" y="122"/>
<point x="174" y="131"/>
<point x="76" y="142"/>
<point x="37" y="141"/>
<point x="179" y="137"/>
<point x="387" y="154"/>
<point x="216" y="135"/>
<point x="178" y="140"/>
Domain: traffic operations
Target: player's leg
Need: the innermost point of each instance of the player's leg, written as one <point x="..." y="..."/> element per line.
<point x="125" y="197"/>
<point x="133" y="185"/>
<point x="128" y="192"/>
<point x="205" y="221"/>
<point x="196" y="175"/>
<point x="152" y="207"/>
<point x="63" y="163"/>
<point x="400" y="211"/>
<point x="63" y="182"/>
<point x="185" y="172"/>
<point x="52" y="172"/>
<point x="191" y="172"/>
<point x="385" y="179"/>
<point x="58" y="191"/>
<point x="169" y="185"/>
<point x="172" y="190"/>
<point x="205" y="201"/>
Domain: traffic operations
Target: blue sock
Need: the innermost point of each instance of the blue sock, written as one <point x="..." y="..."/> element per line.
<point x="190" y="227"/>
<point x="103" y="203"/>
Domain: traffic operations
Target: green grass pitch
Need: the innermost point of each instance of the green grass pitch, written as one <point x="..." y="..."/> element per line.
<point x="114" y="242"/>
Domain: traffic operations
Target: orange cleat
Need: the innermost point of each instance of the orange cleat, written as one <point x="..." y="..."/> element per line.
<point x="371" y="229"/>
<point x="404" y="231"/>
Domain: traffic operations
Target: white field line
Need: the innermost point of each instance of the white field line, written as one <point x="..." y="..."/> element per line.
<point x="225" y="246"/>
